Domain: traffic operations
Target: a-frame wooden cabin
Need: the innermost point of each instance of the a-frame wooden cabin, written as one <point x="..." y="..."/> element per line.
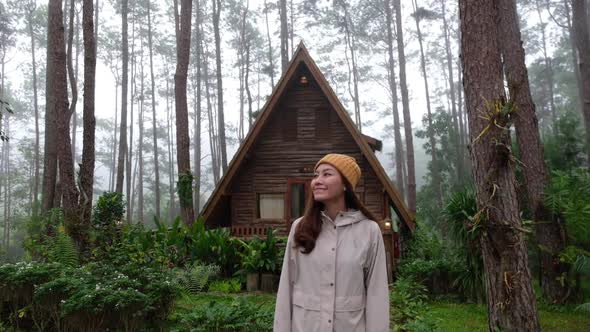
<point x="266" y="181"/>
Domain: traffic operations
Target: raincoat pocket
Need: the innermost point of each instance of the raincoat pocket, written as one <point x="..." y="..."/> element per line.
<point x="306" y="312"/>
<point x="350" y="313"/>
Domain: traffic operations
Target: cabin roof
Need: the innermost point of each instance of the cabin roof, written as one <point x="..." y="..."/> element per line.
<point x="366" y="143"/>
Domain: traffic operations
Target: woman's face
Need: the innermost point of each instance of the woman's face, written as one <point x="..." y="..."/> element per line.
<point x="327" y="184"/>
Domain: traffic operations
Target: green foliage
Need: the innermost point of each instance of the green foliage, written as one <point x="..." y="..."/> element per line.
<point x="239" y="315"/>
<point x="568" y="197"/>
<point x="407" y="300"/>
<point x="464" y="224"/>
<point x="94" y="297"/>
<point x="185" y="188"/>
<point x="430" y="262"/>
<point x="195" y="278"/>
<point x="564" y="151"/>
<point x="226" y="286"/>
<point x="62" y="249"/>
<point x="262" y="255"/>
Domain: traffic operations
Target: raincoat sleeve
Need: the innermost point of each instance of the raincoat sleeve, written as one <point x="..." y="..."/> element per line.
<point x="283" y="308"/>
<point x="377" y="306"/>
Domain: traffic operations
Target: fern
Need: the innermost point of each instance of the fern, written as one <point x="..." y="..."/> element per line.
<point x="584" y="307"/>
<point x="196" y="278"/>
<point x="63" y="250"/>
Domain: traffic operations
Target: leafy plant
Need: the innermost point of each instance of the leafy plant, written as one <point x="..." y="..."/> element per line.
<point x="62" y="249"/>
<point x="261" y="255"/>
<point x="239" y="315"/>
<point x="195" y="278"/>
<point x="226" y="286"/>
<point x="407" y="298"/>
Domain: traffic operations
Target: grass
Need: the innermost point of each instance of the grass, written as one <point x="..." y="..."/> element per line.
<point x="447" y="316"/>
<point x="453" y="317"/>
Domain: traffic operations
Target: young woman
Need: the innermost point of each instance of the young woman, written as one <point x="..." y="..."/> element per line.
<point x="334" y="274"/>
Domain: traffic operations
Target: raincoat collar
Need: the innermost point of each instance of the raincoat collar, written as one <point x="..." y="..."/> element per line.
<point x="344" y="218"/>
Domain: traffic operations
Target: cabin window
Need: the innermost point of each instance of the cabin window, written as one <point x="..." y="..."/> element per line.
<point x="271" y="206"/>
<point x="297" y="200"/>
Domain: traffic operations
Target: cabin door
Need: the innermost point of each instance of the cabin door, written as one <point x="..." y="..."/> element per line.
<point x="297" y="190"/>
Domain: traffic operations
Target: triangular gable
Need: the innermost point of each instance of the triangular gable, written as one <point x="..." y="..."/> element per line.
<point x="302" y="56"/>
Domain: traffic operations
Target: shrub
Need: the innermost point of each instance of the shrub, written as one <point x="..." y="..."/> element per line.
<point x="407" y="298"/>
<point x="240" y="315"/>
<point x="226" y="286"/>
<point x="91" y="298"/>
<point x="195" y="278"/>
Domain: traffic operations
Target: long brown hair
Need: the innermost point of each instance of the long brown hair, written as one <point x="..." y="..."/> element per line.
<point x="308" y="229"/>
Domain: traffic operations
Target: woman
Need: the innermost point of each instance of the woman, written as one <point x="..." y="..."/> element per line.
<point x="334" y="274"/>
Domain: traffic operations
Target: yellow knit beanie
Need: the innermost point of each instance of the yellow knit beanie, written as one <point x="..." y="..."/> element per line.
<point x="346" y="165"/>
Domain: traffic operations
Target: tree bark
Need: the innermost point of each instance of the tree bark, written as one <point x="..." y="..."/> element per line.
<point x="549" y="232"/>
<point x="182" y="137"/>
<point x="436" y="180"/>
<point x="154" y="120"/>
<point x="511" y="301"/>
<point x="284" y="34"/>
<point x="36" y="109"/>
<point x="352" y="66"/>
<point x="580" y="25"/>
<point x="449" y="60"/>
<point x="411" y="197"/>
<point x="399" y="173"/>
<point x="88" y="140"/>
<point x="124" y="83"/>
<point x="140" y="197"/>
<point x="56" y="100"/>
<point x="271" y="64"/>
<point x="171" y="205"/>
<point x="197" y="109"/>
<point x="220" y="115"/>
<point x="73" y="74"/>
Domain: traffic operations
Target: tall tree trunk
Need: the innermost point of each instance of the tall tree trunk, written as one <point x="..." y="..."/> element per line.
<point x="352" y="66"/>
<point x="171" y="205"/>
<point x="246" y="82"/>
<point x="56" y="102"/>
<point x="130" y="170"/>
<point x="88" y="140"/>
<point x="154" y="120"/>
<point x="549" y="232"/>
<point x="284" y="33"/>
<point x="114" y="154"/>
<point x="210" y="119"/>
<point x="124" y="84"/>
<point x="411" y="198"/>
<point x="580" y="25"/>
<point x="36" y="109"/>
<point x="197" y="109"/>
<point x="572" y="40"/>
<point x="436" y="182"/>
<point x="72" y="73"/>
<point x="271" y="69"/>
<point x="548" y="69"/>
<point x="510" y="298"/>
<point x="140" y="197"/>
<point x="57" y="95"/>
<point x="7" y="187"/>
<point x="220" y="115"/>
<point x="182" y="138"/>
<point x="449" y="59"/>
<point x="399" y="173"/>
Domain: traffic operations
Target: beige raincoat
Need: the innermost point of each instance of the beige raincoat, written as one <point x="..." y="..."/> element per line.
<point x="341" y="285"/>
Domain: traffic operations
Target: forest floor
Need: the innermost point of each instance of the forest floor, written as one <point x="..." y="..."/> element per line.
<point x="446" y="315"/>
<point x="449" y="316"/>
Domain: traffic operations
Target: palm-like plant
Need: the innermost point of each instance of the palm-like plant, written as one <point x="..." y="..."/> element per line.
<point x="464" y="223"/>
